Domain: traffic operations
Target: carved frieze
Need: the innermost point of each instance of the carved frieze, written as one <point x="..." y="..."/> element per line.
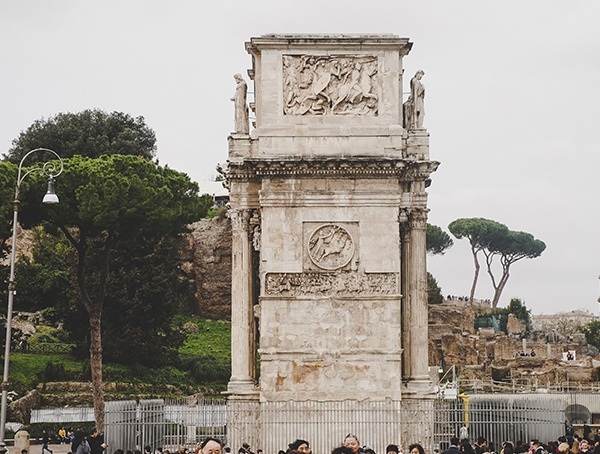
<point x="406" y="170"/>
<point x="330" y="85"/>
<point x="332" y="284"/>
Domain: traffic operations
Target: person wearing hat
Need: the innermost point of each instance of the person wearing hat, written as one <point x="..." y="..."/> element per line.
<point x="392" y="449"/>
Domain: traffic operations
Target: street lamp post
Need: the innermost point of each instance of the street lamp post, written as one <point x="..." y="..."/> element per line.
<point x="51" y="169"/>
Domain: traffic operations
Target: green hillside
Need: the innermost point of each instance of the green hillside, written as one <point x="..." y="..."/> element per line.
<point x="202" y="365"/>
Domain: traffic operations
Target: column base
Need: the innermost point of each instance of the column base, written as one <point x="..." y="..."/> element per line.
<point x="244" y="387"/>
<point x="421" y="387"/>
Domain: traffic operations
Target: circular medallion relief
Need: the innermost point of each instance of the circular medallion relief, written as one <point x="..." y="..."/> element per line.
<point x="330" y="247"/>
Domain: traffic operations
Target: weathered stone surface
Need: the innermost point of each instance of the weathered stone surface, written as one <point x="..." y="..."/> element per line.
<point x="514" y="325"/>
<point x="210" y="265"/>
<point x="20" y="410"/>
<point x="328" y="214"/>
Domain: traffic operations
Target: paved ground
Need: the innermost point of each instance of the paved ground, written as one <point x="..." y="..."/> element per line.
<point x="37" y="449"/>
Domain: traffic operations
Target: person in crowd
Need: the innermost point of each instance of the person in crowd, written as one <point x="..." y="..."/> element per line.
<point x="466" y="447"/>
<point x="416" y="448"/>
<point x="211" y="445"/>
<point x="564" y="448"/>
<point x="507" y="448"/>
<point x="96" y="442"/>
<point x="299" y="445"/>
<point x="62" y="435"/>
<point x="453" y="448"/>
<point x="80" y="444"/>
<point x="392" y="449"/>
<point x="536" y="447"/>
<point x="342" y="450"/>
<point x="351" y="441"/>
<point x="45" y="441"/>
<point x="584" y="445"/>
<point x="368" y="449"/>
<point x="481" y="445"/>
<point x="575" y="445"/>
<point x="463" y="432"/>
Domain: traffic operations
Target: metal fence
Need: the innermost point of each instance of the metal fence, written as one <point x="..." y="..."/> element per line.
<point x="50" y="347"/>
<point x="527" y="385"/>
<point x="271" y="426"/>
<point x="163" y="424"/>
<point x="62" y="415"/>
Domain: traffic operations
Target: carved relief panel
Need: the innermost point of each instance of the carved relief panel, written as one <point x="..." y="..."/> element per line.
<point x="331" y="256"/>
<point x="330" y="246"/>
<point x="330" y="85"/>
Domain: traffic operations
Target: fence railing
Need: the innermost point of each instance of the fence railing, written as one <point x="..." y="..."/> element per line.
<point x="271" y="426"/>
<point x="63" y="415"/>
<point x="526" y="385"/>
<point x="50" y="348"/>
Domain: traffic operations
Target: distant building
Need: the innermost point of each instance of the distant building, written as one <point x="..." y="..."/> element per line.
<point x="215" y="189"/>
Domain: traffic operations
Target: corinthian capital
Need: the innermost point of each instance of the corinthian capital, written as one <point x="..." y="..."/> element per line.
<point x="239" y="219"/>
<point x="417" y="217"/>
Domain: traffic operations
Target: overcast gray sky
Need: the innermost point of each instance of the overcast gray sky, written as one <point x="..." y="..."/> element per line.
<point x="513" y="104"/>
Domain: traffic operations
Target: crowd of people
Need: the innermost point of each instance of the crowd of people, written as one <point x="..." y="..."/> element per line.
<point x="81" y="443"/>
<point x="570" y="443"/>
<point x="350" y="445"/>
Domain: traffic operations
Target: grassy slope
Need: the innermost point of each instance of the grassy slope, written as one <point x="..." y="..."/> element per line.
<point x="205" y="358"/>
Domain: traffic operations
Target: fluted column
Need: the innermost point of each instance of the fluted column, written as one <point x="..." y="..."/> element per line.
<point x="416" y="312"/>
<point x="242" y="319"/>
<point x="405" y="290"/>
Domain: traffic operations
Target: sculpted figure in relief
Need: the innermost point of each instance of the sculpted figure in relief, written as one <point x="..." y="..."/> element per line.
<point x="339" y="283"/>
<point x="240" y="105"/>
<point x="330" y="85"/>
<point x="330" y="247"/>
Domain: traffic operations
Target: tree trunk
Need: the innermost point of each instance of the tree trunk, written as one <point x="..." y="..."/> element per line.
<point x="96" y="368"/>
<point x="94" y="306"/>
<point x="476" y="276"/>
<point x="500" y="288"/>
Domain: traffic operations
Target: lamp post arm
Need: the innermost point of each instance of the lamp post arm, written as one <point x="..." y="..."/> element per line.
<point x="49" y="168"/>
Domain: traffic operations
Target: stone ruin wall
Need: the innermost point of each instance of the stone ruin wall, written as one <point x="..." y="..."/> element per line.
<point x="488" y="355"/>
<point x="208" y="255"/>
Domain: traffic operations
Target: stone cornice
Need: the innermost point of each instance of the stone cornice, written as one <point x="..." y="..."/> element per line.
<point x="404" y="169"/>
<point x="340" y="42"/>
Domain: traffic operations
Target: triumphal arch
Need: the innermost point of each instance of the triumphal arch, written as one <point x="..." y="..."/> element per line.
<point x="327" y="170"/>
